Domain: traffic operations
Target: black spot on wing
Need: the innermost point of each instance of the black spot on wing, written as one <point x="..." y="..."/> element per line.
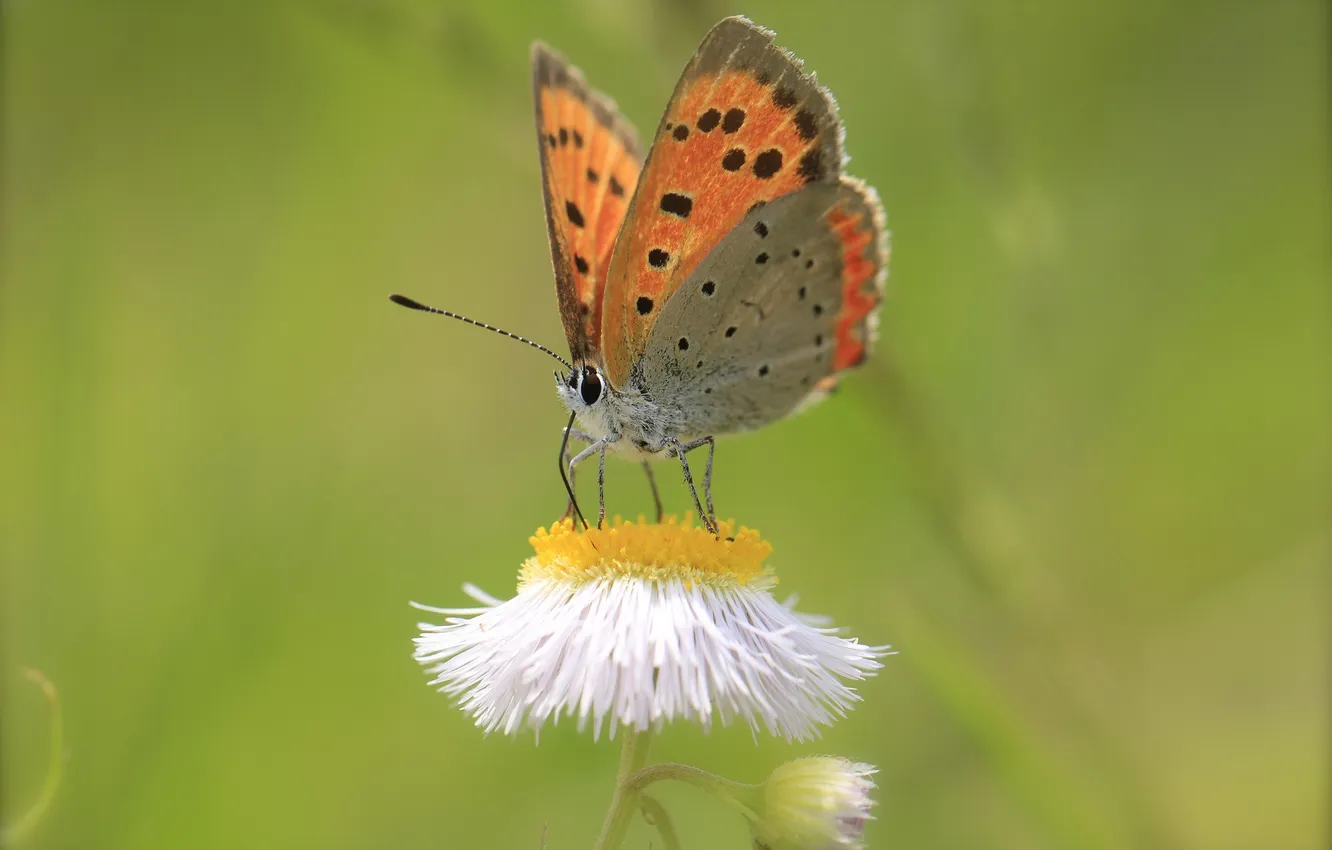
<point x="644" y="305"/>
<point x="806" y="125"/>
<point x="784" y="97"/>
<point x="734" y="120"/>
<point x="811" y="165"/>
<point x="708" y="121"/>
<point x="575" y="214"/>
<point x="767" y="163"/>
<point x="657" y="258"/>
<point x="677" y="204"/>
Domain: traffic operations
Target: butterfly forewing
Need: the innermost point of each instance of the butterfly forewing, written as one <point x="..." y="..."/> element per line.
<point x="772" y="313"/>
<point x="589" y="163"/>
<point x="744" y="127"/>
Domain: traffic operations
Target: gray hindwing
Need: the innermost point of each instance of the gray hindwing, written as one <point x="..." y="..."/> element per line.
<point x="750" y="334"/>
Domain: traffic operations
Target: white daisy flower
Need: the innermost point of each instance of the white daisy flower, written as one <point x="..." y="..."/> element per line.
<point x="819" y="803"/>
<point x="639" y="624"/>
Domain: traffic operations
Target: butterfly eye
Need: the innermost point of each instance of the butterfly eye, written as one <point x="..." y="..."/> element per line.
<point x="590" y="389"/>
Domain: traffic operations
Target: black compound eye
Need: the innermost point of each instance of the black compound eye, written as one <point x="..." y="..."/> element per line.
<point x="590" y="389"/>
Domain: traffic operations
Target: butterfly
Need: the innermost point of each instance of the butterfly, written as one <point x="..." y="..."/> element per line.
<point x="722" y="283"/>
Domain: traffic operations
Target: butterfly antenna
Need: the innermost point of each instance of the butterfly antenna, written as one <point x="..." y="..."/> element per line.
<point x="425" y="308"/>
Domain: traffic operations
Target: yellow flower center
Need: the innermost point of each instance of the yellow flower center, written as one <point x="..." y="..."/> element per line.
<point x="652" y="551"/>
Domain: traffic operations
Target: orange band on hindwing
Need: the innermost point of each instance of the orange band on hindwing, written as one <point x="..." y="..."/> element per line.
<point x="858" y="235"/>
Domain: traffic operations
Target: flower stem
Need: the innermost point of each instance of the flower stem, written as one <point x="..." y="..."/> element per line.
<point x="18" y="831"/>
<point x="743" y="798"/>
<point x="624" y="803"/>
<point x="656" y="815"/>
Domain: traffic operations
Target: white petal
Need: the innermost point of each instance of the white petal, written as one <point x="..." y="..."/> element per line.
<point x="639" y="652"/>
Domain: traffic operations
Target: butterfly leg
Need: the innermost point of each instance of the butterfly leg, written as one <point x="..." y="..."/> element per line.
<point x="656" y="497"/>
<point x="707" y="474"/>
<point x="598" y="445"/>
<point x="601" y="486"/>
<point x="709" y="516"/>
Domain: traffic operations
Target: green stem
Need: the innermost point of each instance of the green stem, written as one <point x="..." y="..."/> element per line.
<point x="633" y="755"/>
<point x="18" y="831"/>
<point x="656" y="815"/>
<point x="743" y="798"/>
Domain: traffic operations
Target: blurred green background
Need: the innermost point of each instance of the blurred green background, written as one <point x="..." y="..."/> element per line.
<point x="1083" y="486"/>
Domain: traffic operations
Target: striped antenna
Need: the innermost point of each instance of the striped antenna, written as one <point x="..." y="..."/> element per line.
<point x="425" y="308"/>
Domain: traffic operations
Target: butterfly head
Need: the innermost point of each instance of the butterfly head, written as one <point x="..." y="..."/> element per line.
<point x="583" y="388"/>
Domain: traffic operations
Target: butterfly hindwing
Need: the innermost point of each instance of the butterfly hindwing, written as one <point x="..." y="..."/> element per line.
<point x="589" y="164"/>
<point x="744" y="127"/>
<point x="768" y="318"/>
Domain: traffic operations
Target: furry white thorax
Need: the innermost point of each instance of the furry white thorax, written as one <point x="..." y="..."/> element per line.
<point x="632" y="424"/>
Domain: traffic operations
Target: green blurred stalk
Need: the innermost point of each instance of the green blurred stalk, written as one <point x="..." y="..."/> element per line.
<point x="625" y="801"/>
<point x="13" y="834"/>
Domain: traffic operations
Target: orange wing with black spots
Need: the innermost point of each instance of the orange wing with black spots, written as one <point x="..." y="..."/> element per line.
<point x="744" y="127"/>
<point x="589" y="165"/>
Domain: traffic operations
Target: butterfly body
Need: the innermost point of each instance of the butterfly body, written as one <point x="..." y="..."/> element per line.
<point x="725" y="281"/>
<point x="626" y="420"/>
